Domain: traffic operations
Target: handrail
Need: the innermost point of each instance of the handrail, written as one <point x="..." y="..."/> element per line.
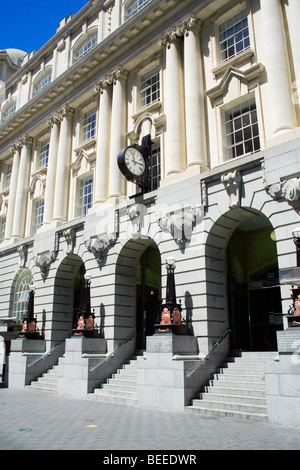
<point x="202" y="361"/>
<point x="91" y="369"/>
<point x="47" y="353"/>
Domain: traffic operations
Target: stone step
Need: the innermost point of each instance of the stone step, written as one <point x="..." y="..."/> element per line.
<point x="237" y="390"/>
<point x="233" y="398"/>
<point x="121" y="387"/>
<point x="224" y="413"/>
<point x="47" y="382"/>
<point x="246" y="392"/>
<point x="229" y="405"/>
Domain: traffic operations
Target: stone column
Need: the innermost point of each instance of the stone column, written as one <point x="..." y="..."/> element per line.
<point x="281" y="109"/>
<point x="194" y="97"/>
<point x="51" y="170"/>
<point x="118" y="130"/>
<point x="175" y="159"/>
<point x="293" y="13"/>
<point x="103" y="144"/>
<point x="16" y="149"/>
<point x="61" y="193"/>
<point x="22" y="185"/>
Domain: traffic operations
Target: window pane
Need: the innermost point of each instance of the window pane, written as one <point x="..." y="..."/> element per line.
<point x="150" y="87"/>
<point x="38" y="215"/>
<point x="85" y="195"/>
<point x="241" y="130"/>
<point x="89" y="125"/>
<point x="44" y="153"/>
<point x="21" y="294"/>
<point x="234" y="36"/>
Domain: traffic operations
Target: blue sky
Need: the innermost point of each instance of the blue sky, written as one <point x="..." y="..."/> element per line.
<point x="29" y="24"/>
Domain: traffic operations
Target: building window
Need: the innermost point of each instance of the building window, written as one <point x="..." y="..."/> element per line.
<point x="241" y="130"/>
<point x="85" y="195"/>
<point x="44" y="153"/>
<point x="8" y="111"/>
<point x="135" y="6"/>
<point x="155" y="166"/>
<point x="8" y="172"/>
<point x="86" y="44"/>
<point x="21" y="294"/>
<point x="41" y="82"/>
<point x="38" y="215"/>
<point x="2" y="228"/>
<point x="150" y="87"/>
<point x="234" y="36"/>
<point x="89" y="125"/>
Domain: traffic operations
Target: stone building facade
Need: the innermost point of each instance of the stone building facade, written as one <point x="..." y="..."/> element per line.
<point x="213" y="87"/>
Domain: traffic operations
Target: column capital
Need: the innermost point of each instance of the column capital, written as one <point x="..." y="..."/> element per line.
<point x="182" y="29"/>
<point x="65" y="111"/>
<point x="191" y="24"/>
<point x="23" y="141"/>
<point x="53" y="119"/>
<point x="119" y="74"/>
<point x="103" y="84"/>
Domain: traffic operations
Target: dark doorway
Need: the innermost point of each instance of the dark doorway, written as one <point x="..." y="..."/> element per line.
<point x="148" y="289"/>
<point x="78" y="293"/>
<point x="254" y="297"/>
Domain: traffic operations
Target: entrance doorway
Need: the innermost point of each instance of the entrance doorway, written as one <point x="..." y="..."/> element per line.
<point x="67" y="298"/>
<point x="148" y="294"/>
<point x="254" y="297"/>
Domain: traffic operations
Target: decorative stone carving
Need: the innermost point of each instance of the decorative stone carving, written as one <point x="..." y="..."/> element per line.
<point x="232" y="182"/>
<point x="99" y="245"/>
<point x="181" y="223"/>
<point x="70" y="236"/>
<point x="44" y="260"/>
<point x="22" y="250"/>
<point x="289" y="190"/>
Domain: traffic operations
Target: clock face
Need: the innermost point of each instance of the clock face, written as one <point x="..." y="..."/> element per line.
<point x="134" y="161"/>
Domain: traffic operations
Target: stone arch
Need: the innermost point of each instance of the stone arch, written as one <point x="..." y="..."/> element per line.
<point x="65" y="292"/>
<point x="221" y="233"/>
<point x="126" y="286"/>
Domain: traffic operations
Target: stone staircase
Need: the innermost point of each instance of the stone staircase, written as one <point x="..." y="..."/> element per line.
<point x="121" y="387"/>
<point x="237" y="390"/>
<point x="47" y="382"/>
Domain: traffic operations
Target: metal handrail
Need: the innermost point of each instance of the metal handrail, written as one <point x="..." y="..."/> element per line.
<point x="91" y="369"/>
<point x="47" y="353"/>
<point x="202" y="361"/>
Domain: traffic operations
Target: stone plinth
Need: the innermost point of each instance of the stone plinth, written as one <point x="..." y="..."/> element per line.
<point x="283" y="380"/>
<point x="22" y="361"/>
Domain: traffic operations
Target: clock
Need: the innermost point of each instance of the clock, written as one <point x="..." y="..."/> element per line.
<point x="132" y="163"/>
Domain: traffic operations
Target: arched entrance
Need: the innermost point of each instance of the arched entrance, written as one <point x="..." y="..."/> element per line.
<point x="254" y="298"/>
<point x="137" y="290"/>
<point x="148" y="294"/>
<point x="68" y="292"/>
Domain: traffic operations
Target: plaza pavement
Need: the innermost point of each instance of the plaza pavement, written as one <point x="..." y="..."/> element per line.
<point x="40" y="421"/>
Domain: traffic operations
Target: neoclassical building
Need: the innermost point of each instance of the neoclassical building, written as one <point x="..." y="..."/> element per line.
<point x="145" y="129"/>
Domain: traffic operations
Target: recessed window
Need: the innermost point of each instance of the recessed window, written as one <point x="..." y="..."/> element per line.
<point x="89" y="125"/>
<point x="42" y="82"/>
<point x="155" y="165"/>
<point x="44" y="153"/>
<point x="241" y="130"/>
<point x="135" y="6"/>
<point x="8" y="172"/>
<point x="86" y="44"/>
<point x="85" y="195"/>
<point x="8" y="111"/>
<point x="234" y="36"/>
<point x="150" y="87"/>
<point x="21" y="294"/>
<point x="38" y="216"/>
